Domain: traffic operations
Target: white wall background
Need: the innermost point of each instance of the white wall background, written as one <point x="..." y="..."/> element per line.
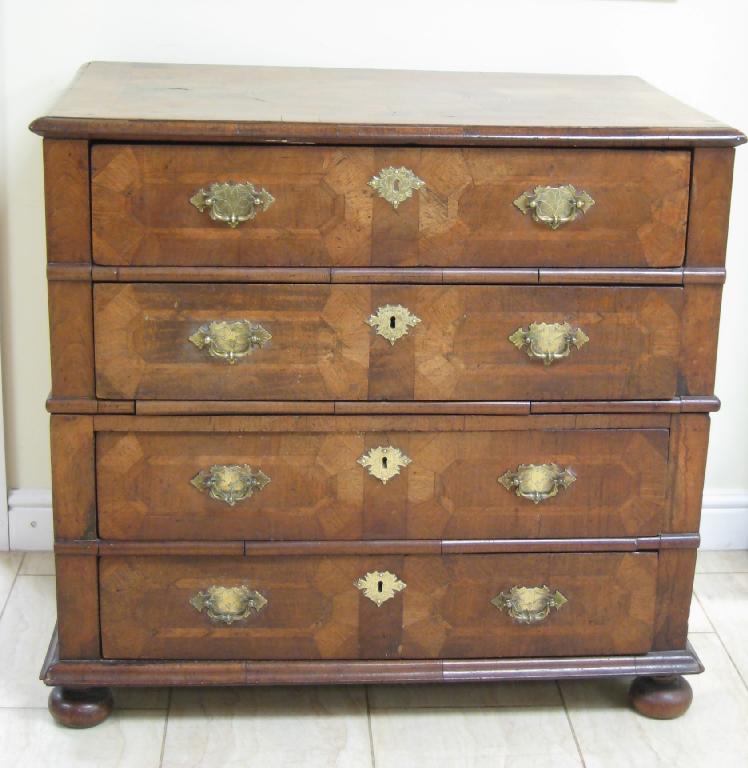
<point x="695" y="50"/>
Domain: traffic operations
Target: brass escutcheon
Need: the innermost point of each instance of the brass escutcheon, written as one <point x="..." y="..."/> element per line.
<point x="396" y="185"/>
<point x="230" y="339"/>
<point x="379" y="586"/>
<point x="549" y="341"/>
<point x="529" y="605"/>
<point x="392" y="321"/>
<point x="228" y="604"/>
<point x="537" y="482"/>
<point x="232" y="203"/>
<point x="384" y="462"/>
<point x="554" y="206"/>
<point x="230" y="483"/>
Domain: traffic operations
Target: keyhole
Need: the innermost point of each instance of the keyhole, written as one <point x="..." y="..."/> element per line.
<point x="393" y="322"/>
<point x="379" y="586"/>
<point x="384" y="462"/>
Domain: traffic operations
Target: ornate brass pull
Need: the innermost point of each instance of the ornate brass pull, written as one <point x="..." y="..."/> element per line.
<point x="230" y="339"/>
<point x="549" y="341"/>
<point x="537" y="482"/>
<point x="384" y="462"/>
<point x="230" y="483"/>
<point x="554" y="206"/>
<point x="228" y="604"/>
<point x="379" y="586"/>
<point x="392" y="321"/>
<point x="529" y="605"/>
<point x="396" y="185"/>
<point x="232" y="203"/>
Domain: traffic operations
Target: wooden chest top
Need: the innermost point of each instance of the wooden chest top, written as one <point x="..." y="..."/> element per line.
<point x="237" y="103"/>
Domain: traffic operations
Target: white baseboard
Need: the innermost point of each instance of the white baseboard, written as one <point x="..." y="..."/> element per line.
<point x="30" y="519"/>
<point x="724" y="520"/>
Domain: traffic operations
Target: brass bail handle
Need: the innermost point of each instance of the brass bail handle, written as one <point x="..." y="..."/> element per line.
<point x="232" y="203"/>
<point x="549" y="342"/>
<point x="228" y="604"/>
<point x="554" y="206"/>
<point x="537" y="482"/>
<point x="230" y="340"/>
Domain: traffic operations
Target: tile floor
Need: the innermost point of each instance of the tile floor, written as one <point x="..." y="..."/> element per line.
<point x="529" y="725"/>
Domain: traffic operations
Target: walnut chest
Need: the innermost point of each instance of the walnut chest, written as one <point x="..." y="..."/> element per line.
<point x="375" y="376"/>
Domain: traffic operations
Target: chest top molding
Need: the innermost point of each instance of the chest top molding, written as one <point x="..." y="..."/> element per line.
<point x="177" y="102"/>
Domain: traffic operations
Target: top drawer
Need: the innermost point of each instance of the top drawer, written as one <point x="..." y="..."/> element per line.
<point x="322" y="208"/>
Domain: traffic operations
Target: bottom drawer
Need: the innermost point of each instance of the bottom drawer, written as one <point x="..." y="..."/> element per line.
<point x="409" y="607"/>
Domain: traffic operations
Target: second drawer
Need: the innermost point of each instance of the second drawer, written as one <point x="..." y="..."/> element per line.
<point x="348" y="478"/>
<point x="363" y="342"/>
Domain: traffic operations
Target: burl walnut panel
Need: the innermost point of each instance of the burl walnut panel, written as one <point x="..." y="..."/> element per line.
<point x="314" y="611"/>
<point x="318" y="491"/>
<point x="323" y="349"/>
<point x="326" y="214"/>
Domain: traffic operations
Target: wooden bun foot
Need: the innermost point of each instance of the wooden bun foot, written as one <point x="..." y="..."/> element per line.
<point x="80" y="707"/>
<point x="662" y="698"/>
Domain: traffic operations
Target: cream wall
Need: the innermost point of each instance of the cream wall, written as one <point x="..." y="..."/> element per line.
<point x="693" y="49"/>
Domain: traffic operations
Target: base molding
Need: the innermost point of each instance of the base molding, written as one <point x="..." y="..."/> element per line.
<point x="96" y="672"/>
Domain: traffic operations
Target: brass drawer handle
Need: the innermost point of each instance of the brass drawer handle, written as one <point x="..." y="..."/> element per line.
<point x="379" y="586"/>
<point x="392" y="321"/>
<point x="549" y="341"/>
<point x="228" y="604"/>
<point x="230" y="339"/>
<point x="554" y="206"/>
<point x="230" y="483"/>
<point x="529" y="605"/>
<point x="232" y="203"/>
<point x="396" y="185"/>
<point x="384" y="462"/>
<point x="537" y="482"/>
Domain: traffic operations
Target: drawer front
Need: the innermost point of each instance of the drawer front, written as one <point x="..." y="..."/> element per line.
<point x="325" y="208"/>
<point x="326" y="478"/>
<point x="460" y="606"/>
<point x="358" y="342"/>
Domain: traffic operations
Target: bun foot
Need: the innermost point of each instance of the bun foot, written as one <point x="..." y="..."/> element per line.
<point x="662" y="698"/>
<point x="80" y="707"/>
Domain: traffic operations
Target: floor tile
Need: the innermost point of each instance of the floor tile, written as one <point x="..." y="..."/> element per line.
<point x="141" y="698"/>
<point x="38" y="564"/>
<point x="724" y="597"/>
<point x="509" y="694"/>
<point x="727" y="561"/>
<point x="537" y="737"/>
<point x="9" y="562"/>
<point x="697" y="619"/>
<point x="31" y="739"/>
<point x="712" y="732"/>
<point x="305" y="727"/>
<point x="25" y="630"/>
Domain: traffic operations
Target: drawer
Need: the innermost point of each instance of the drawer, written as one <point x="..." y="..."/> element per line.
<point x="327" y="478"/>
<point x="359" y="342"/>
<point x="316" y="206"/>
<point x="307" y="607"/>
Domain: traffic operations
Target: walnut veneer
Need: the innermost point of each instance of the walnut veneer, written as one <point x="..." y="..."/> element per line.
<point x="325" y="437"/>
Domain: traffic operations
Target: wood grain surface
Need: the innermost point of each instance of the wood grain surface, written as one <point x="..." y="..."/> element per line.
<point x="141" y="101"/>
<point x="318" y="491"/>
<point x="314" y="611"/>
<point x="325" y="213"/>
<point x="323" y="349"/>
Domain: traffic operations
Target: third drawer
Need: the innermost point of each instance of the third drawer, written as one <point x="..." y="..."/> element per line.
<point x="373" y="477"/>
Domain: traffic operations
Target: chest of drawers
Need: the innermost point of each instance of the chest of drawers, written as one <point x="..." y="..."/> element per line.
<point x="377" y="376"/>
